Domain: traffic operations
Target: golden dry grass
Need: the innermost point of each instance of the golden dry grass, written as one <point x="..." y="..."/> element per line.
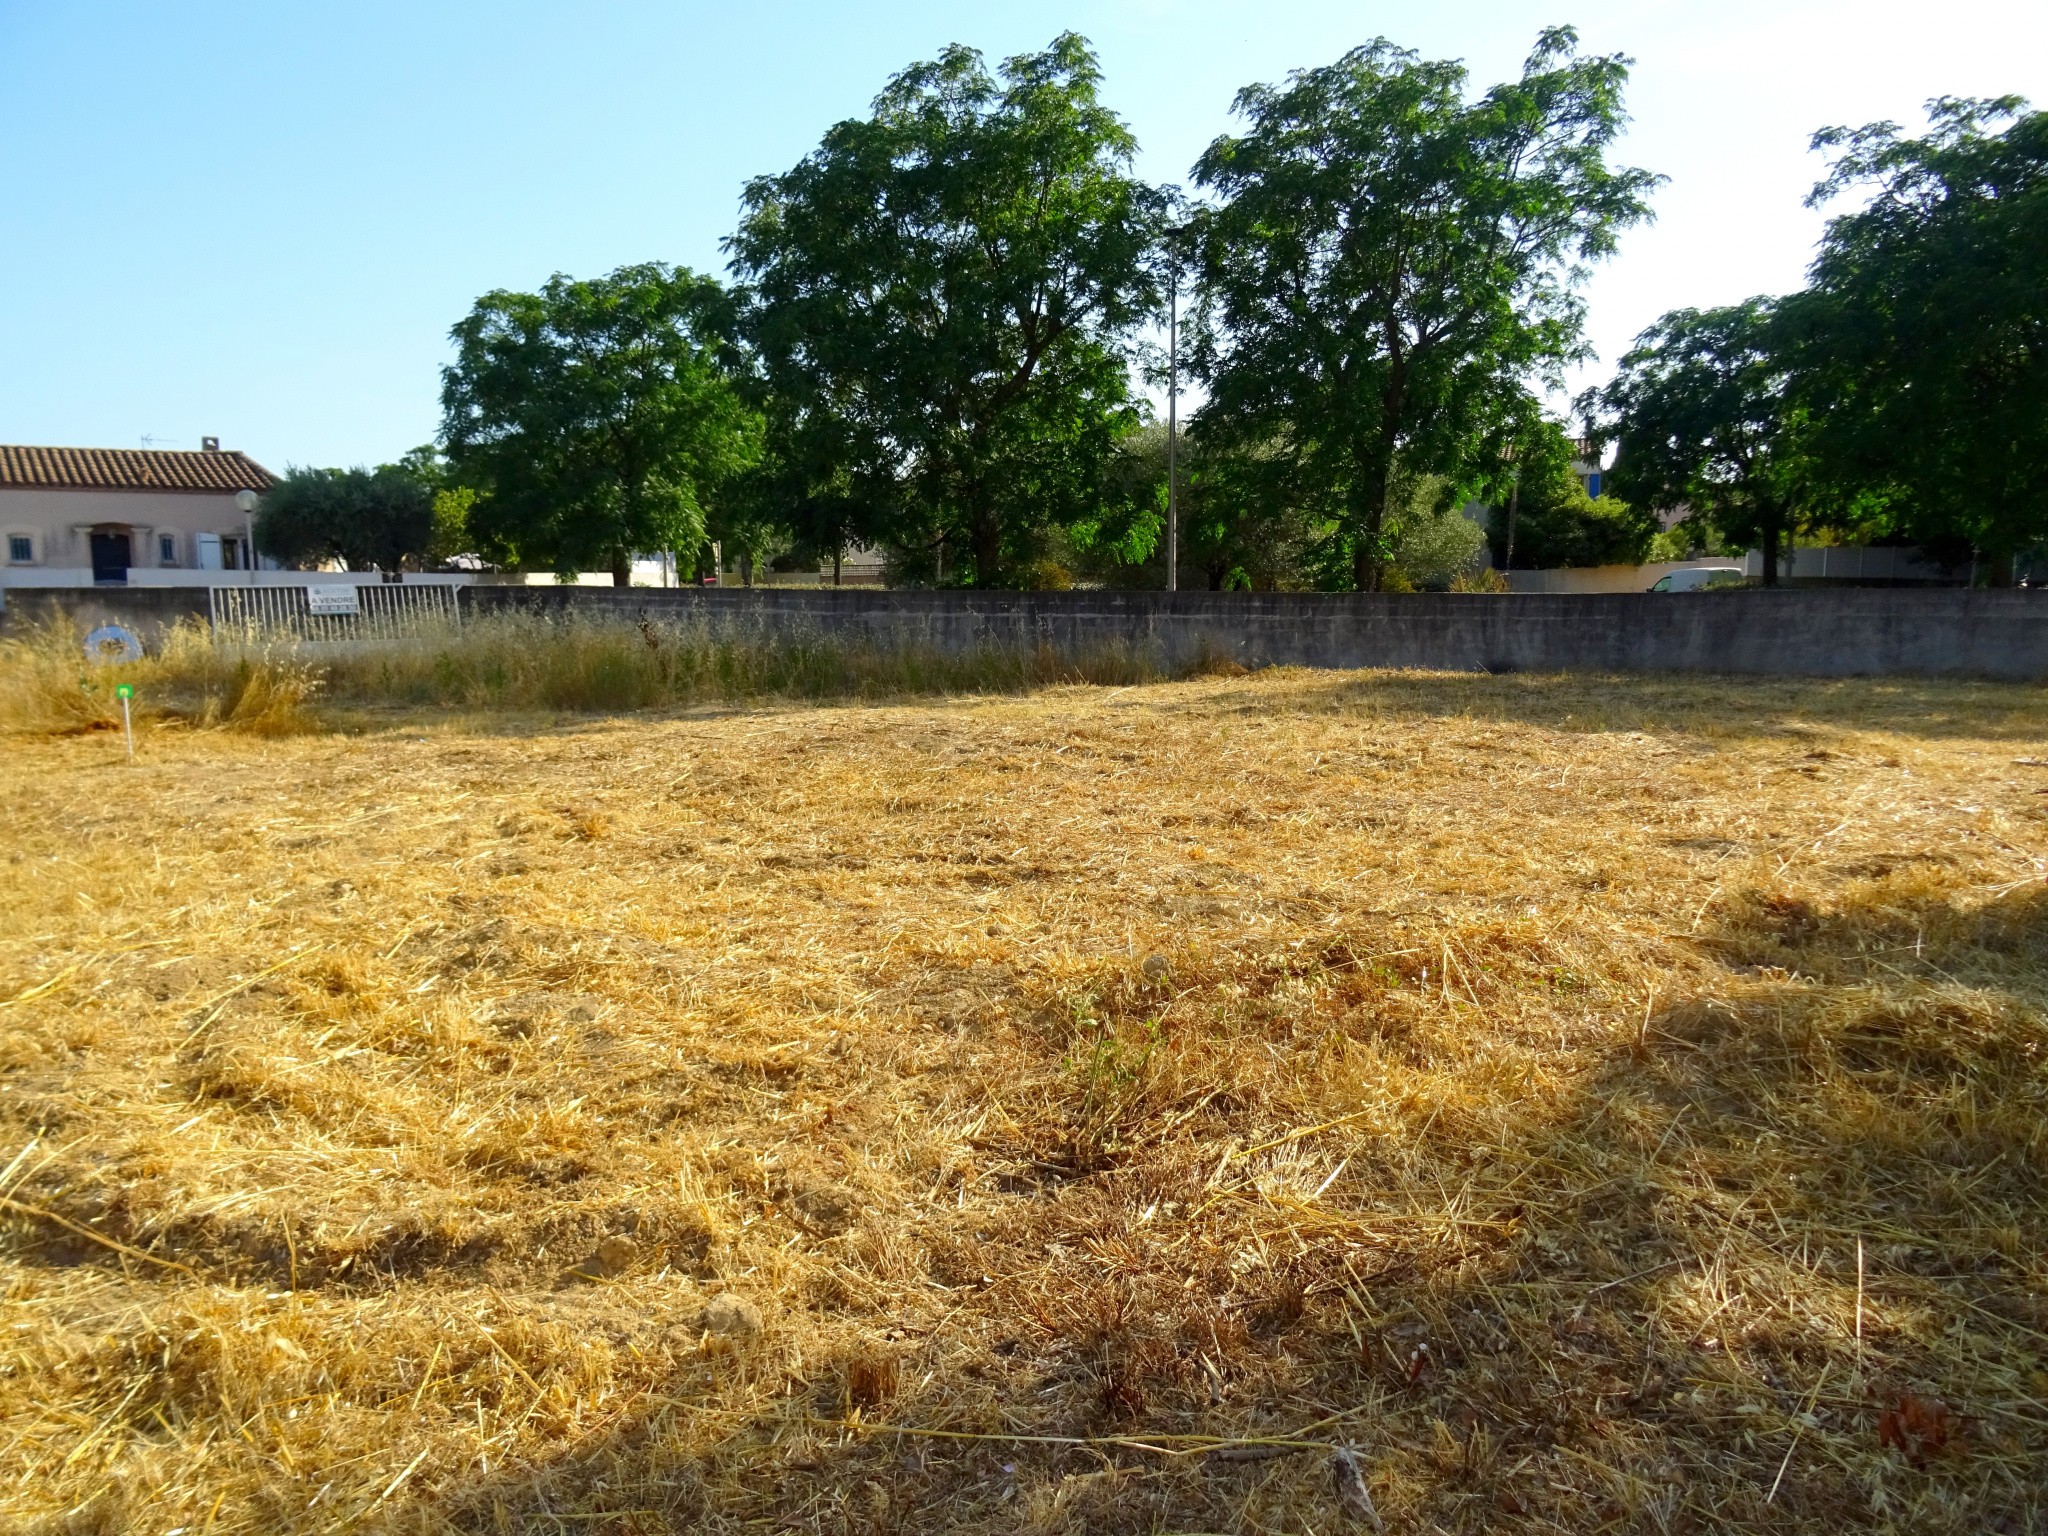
<point x="1602" y="1104"/>
<point x="278" y="687"/>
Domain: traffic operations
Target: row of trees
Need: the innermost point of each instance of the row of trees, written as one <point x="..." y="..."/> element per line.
<point x="1903" y="394"/>
<point x="939" y="324"/>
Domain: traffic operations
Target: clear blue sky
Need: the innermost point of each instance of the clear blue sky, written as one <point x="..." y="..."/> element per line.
<point x="259" y="220"/>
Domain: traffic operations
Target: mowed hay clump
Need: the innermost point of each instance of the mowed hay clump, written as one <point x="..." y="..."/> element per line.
<point x="1295" y="1102"/>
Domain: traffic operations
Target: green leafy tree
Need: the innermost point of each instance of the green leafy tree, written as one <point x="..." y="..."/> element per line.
<point x="746" y="521"/>
<point x="451" y="538"/>
<point x="1559" y="524"/>
<point x="807" y="501"/>
<point x="1702" y="411"/>
<point x="1686" y="541"/>
<point x="942" y="296"/>
<point x="1241" y="529"/>
<point x="1389" y="262"/>
<point x="1237" y="528"/>
<point x="370" y="519"/>
<point x="1920" y="348"/>
<point x="1240" y="524"/>
<point x="595" y="418"/>
<point x="1433" y="541"/>
<point x="1540" y="514"/>
<point x="1126" y="528"/>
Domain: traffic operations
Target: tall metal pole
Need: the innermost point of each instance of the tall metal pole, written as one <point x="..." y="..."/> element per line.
<point x="1173" y="432"/>
<point x="245" y="500"/>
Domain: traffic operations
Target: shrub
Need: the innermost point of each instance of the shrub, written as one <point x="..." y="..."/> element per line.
<point x="1558" y="524"/>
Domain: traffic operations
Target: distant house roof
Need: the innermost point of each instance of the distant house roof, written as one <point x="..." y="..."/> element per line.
<point x="130" y="469"/>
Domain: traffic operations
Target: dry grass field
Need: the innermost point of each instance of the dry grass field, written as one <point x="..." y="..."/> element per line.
<point x="1292" y="1103"/>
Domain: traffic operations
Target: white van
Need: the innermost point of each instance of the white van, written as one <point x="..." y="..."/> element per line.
<point x="1697" y="578"/>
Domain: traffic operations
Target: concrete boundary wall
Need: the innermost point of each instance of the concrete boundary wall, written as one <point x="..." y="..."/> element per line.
<point x="1791" y="632"/>
<point x="1958" y="633"/>
<point x="149" y="611"/>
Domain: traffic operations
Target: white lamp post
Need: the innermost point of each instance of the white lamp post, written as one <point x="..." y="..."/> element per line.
<point x="246" y="500"/>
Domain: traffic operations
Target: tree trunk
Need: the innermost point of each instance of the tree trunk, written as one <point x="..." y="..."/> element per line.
<point x="747" y="569"/>
<point x="1514" y="506"/>
<point x="622" y="568"/>
<point x="1369" y="513"/>
<point x="1770" y="545"/>
<point x="1366" y="568"/>
<point x="838" y="555"/>
<point x="988" y="550"/>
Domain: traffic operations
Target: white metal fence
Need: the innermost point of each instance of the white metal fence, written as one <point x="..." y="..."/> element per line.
<point x="394" y="611"/>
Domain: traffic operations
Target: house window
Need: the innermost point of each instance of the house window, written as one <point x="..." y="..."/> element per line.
<point x="167" y="548"/>
<point x="21" y="549"/>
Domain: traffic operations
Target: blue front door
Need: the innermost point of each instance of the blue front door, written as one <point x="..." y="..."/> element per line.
<point x="110" y="557"/>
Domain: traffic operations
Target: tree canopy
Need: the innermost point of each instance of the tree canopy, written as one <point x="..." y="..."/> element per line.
<point x="933" y="347"/>
<point x="1433" y="541"/>
<point x="1389" y="263"/>
<point x="1920" y="347"/>
<point x="595" y="418"/>
<point x="942" y="296"/>
<point x="1702" y="412"/>
<point x="1559" y="523"/>
<point x="370" y="519"/>
<point x="1236" y="528"/>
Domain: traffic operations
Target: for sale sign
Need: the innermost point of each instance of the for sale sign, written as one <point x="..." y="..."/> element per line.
<point x="331" y="600"/>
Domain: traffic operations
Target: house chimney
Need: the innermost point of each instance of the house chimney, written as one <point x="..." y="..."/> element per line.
<point x="209" y="445"/>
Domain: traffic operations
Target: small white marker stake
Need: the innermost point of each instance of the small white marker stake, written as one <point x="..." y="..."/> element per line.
<point x="125" y="692"/>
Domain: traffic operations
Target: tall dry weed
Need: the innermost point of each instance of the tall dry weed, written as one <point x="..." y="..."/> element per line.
<point x="49" y="685"/>
<point x="513" y="663"/>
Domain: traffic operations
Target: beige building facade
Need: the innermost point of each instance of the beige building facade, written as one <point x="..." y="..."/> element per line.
<point x="106" y="516"/>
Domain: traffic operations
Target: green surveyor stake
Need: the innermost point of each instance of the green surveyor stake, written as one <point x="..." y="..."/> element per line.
<point x="124" y="692"/>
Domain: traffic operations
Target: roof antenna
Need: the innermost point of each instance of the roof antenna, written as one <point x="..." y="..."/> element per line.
<point x="150" y="442"/>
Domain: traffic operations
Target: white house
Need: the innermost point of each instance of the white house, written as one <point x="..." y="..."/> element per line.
<point x="91" y="516"/>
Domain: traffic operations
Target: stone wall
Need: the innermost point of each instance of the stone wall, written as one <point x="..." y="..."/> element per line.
<point x="149" y="611"/>
<point x="1787" y="632"/>
<point x="1852" y="632"/>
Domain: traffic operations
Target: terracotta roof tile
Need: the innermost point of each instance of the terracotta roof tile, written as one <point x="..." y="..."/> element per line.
<point x="130" y="469"/>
